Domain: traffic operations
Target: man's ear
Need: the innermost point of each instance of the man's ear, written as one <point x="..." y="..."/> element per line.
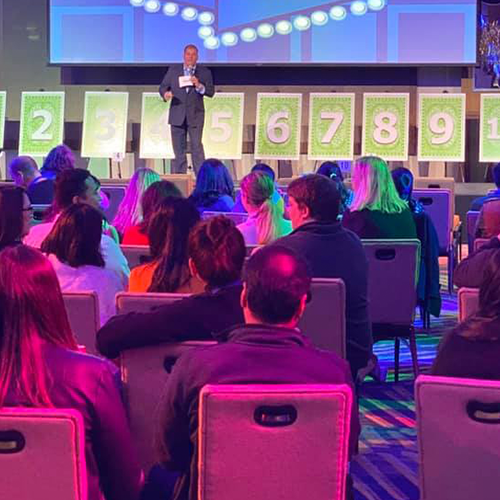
<point x="243" y="297"/>
<point x="304" y="211"/>
<point x="302" y="307"/>
<point x="192" y="268"/>
<point x="75" y="199"/>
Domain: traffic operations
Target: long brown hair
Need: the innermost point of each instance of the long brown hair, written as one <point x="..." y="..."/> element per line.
<point x="32" y="313"/>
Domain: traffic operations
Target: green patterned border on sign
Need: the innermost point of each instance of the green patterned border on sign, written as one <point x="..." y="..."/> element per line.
<point x="399" y="106"/>
<point x="489" y="137"/>
<point x="42" y="122"/>
<point x="156" y="141"/>
<point x="3" y="105"/>
<point x="267" y="106"/>
<point x="341" y="145"/>
<point x="453" y="105"/>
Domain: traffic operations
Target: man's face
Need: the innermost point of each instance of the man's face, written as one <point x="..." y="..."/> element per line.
<point x="295" y="213"/>
<point x="92" y="194"/>
<point x="190" y="56"/>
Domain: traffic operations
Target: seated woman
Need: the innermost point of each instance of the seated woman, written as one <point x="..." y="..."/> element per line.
<point x="129" y="212"/>
<point x="214" y="190"/>
<point x="74" y="249"/>
<point x="216" y="253"/>
<point x="168" y="233"/>
<point x="429" y="296"/>
<point x="40" y="366"/>
<point x="331" y="170"/>
<point x="15" y="216"/>
<point x="265" y="221"/>
<point x="151" y="199"/>
<point x="472" y="349"/>
<point x="377" y="211"/>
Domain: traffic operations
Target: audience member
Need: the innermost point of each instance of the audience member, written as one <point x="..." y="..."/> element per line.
<point x="472" y="349"/>
<point x="332" y="170"/>
<point x="268" y="349"/>
<point x="24" y="171"/>
<point x="377" y="211"/>
<point x="73" y="248"/>
<point x="168" y="233"/>
<point x="332" y="252"/>
<point x="265" y="220"/>
<point x="129" y="212"/>
<point x="477" y="203"/>
<point x="488" y="221"/>
<point x="40" y="366"/>
<point x="150" y="200"/>
<point x="428" y="292"/>
<point x="214" y="189"/>
<point x="15" y="216"/>
<point x="216" y="253"/>
<point x="80" y="186"/>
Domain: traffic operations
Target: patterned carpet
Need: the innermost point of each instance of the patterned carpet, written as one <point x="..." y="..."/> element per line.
<point x="387" y="465"/>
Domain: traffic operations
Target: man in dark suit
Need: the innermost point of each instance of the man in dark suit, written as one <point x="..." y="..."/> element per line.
<point x="187" y="84"/>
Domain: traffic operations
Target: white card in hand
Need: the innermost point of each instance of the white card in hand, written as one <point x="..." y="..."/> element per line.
<point x="185" y="81"/>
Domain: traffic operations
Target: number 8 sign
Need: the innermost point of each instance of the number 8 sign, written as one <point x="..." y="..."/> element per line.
<point x="441" y="127"/>
<point x="278" y="126"/>
<point x="42" y="122"/>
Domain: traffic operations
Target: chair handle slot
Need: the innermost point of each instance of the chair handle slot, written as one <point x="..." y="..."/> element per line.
<point x="11" y="442"/>
<point x="275" y="416"/>
<point x="434" y="186"/>
<point x="385" y="254"/>
<point x="484" y="413"/>
<point x="426" y="200"/>
<point x="169" y="362"/>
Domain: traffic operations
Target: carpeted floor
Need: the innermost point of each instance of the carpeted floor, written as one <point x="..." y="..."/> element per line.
<point x="387" y="465"/>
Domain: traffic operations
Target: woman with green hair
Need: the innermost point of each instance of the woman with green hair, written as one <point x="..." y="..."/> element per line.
<point x="377" y="211"/>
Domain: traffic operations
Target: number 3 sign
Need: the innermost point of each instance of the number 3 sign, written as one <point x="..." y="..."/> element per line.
<point x="42" y="122"/>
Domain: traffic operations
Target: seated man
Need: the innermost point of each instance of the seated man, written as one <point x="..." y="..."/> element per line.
<point x="332" y="252"/>
<point x="267" y="349"/>
<point x="477" y="204"/>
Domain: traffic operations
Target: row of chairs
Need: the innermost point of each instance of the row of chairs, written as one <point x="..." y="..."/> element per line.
<point x="42" y="451"/>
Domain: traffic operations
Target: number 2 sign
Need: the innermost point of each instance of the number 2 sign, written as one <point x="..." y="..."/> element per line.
<point x="42" y="122"/>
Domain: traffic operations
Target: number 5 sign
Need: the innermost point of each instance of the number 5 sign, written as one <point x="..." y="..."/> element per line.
<point x="104" y="124"/>
<point x="223" y="130"/>
<point x="385" y="125"/>
<point x="42" y="122"/>
<point x="278" y="126"/>
<point x="441" y="127"/>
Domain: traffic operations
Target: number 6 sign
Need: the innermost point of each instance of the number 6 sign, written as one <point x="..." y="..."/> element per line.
<point x="42" y="122"/>
<point x="441" y="127"/>
<point x="278" y="126"/>
<point x="104" y="124"/>
<point x="223" y="129"/>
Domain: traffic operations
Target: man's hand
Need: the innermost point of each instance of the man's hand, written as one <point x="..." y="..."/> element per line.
<point x="168" y="95"/>
<point x="195" y="81"/>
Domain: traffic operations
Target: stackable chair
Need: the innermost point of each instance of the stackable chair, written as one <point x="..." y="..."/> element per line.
<point x="471" y="218"/>
<point x="237" y="218"/>
<point x="143" y="302"/>
<point x="468" y="302"/>
<point x="136" y="255"/>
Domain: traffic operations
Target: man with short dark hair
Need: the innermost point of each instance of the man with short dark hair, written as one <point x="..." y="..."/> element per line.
<point x="267" y="349"/>
<point x="332" y="252"/>
<point x="478" y="203"/>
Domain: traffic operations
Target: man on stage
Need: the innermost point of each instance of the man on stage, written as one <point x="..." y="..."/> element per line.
<point x="187" y="84"/>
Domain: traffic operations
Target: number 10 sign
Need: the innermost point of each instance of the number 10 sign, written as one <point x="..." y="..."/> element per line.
<point x="489" y="141"/>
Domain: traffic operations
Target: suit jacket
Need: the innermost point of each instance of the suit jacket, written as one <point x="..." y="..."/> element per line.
<point x="187" y="105"/>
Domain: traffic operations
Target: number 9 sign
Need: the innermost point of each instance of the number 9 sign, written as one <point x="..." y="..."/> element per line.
<point x="441" y="127"/>
<point x="278" y="126"/>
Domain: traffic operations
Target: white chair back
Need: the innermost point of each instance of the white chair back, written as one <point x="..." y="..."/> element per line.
<point x="135" y="254"/>
<point x="143" y="302"/>
<point x="237" y="218"/>
<point x="479" y="242"/>
<point x="249" y="437"/>
<point x="438" y="183"/>
<point x="42" y="454"/>
<point x="84" y="319"/>
<point x="472" y="216"/>
<point x="115" y="195"/>
<point x="468" y="302"/>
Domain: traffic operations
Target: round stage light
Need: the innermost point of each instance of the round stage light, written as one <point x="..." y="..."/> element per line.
<point x="212" y="43"/>
<point x="376" y="4"/>
<point x="248" y="35"/>
<point x="302" y="23"/>
<point x="189" y="14"/>
<point x="265" y="30"/>
<point x="338" y="13"/>
<point x="152" y="6"/>
<point x="137" y="3"/>
<point x="206" y="18"/>
<point x="319" y="18"/>
<point x="205" y="32"/>
<point x="229" y="39"/>
<point x="283" y="27"/>
<point x="170" y="9"/>
<point x="359" y="8"/>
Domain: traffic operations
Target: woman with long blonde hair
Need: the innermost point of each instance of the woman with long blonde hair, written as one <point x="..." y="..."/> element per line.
<point x="265" y="221"/>
<point x="377" y="211"/>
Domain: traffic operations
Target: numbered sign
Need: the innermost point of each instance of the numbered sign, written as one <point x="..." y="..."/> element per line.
<point x="441" y="127"/>
<point x="156" y="141"/>
<point x="42" y="122"/>
<point x="105" y="124"/>
<point x="331" y="127"/>
<point x="223" y="130"/>
<point x="3" y="104"/>
<point x="386" y="125"/>
<point x="278" y="126"/>
<point x="489" y="135"/>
